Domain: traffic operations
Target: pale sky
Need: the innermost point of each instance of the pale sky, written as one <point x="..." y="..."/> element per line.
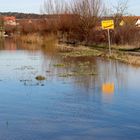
<point x="27" y="6"/>
<point x="133" y="5"/>
<point x="33" y="6"/>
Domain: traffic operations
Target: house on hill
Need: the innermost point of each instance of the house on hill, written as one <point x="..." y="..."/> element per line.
<point x="10" y="25"/>
<point x="10" y="20"/>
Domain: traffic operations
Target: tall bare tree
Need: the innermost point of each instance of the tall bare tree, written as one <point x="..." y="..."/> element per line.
<point x="81" y="16"/>
<point x="119" y="10"/>
<point x="52" y="7"/>
<point x="89" y="11"/>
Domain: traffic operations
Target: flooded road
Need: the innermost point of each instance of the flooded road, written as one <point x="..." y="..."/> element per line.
<point x="80" y="99"/>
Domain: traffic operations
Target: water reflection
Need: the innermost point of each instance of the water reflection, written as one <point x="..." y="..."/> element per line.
<point x="108" y="88"/>
<point x="12" y="45"/>
<point x="84" y="72"/>
<point x="84" y="94"/>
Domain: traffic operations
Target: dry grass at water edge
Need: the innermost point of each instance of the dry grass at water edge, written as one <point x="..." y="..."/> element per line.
<point x="30" y="38"/>
<point x="50" y="44"/>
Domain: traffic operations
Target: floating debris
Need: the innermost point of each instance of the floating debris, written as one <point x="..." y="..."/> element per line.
<point x="40" y="78"/>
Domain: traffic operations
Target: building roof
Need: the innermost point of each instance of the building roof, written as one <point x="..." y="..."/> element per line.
<point x="11" y="18"/>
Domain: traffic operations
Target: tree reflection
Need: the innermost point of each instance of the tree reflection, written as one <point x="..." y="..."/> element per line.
<point x="11" y="45"/>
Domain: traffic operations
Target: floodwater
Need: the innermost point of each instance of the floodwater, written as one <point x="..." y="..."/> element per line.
<point x="81" y="98"/>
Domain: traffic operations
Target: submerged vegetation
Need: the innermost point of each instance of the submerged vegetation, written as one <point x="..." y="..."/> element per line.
<point x="78" y="74"/>
<point x="59" y="65"/>
<point x="40" y="78"/>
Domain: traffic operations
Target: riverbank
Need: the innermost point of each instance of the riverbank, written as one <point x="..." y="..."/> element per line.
<point x="128" y="57"/>
<point x="124" y="53"/>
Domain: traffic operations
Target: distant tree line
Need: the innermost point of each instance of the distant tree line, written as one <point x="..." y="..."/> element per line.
<point x="23" y="15"/>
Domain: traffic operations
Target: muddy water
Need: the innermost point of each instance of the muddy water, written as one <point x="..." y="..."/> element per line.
<point x="81" y="98"/>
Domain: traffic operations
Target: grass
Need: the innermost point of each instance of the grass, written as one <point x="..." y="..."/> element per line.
<point x="77" y="74"/>
<point x="81" y="51"/>
<point x="50" y="44"/>
<point x="30" y="38"/>
<point x="126" y="58"/>
<point x="125" y="47"/>
<point x="46" y="41"/>
<point x="59" y="65"/>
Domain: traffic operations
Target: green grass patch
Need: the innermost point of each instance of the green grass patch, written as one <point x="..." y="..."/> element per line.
<point x="59" y="65"/>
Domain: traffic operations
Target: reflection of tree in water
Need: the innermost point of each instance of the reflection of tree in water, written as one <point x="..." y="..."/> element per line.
<point x="11" y="44"/>
<point x="49" y="57"/>
<point x="1" y="43"/>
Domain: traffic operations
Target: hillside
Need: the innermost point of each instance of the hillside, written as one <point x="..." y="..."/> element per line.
<point x="23" y="15"/>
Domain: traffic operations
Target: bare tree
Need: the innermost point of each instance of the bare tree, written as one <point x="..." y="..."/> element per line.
<point x="87" y="8"/>
<point x="78" y="17"/>
<point x="121" y="7"/>
<point x="121" y="33"/>
<point x="89" y="11"/>
<point x="53" y="7"/>
<point x="119" y="10"/>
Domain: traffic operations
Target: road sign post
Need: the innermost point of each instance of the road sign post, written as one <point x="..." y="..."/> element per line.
<point x="107" y="25"/>
<point x="109" y="42"/>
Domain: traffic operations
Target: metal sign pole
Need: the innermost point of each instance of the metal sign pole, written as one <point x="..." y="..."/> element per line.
<point x="107" y="25"/>
<point x="109" y="42"/>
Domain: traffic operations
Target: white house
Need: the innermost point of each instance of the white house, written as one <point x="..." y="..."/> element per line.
<point x="138" y="23"/>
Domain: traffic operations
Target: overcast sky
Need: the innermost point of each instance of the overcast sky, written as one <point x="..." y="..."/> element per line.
<point x="33" y="6"/>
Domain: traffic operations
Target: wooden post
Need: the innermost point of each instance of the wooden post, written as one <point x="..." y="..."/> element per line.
<point x="109" y="42"/>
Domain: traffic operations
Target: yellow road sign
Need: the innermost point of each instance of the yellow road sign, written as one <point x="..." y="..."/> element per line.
<point x="107" y="24"/>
